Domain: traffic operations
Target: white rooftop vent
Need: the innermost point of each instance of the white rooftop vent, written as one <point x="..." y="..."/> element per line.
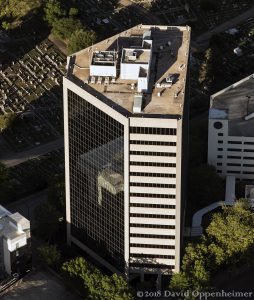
<point x="147" y="35"/>
<point x="137" y="105"/>
<point x="93" y="79"/>
<point x="169" y="79"/>
<point x="106" y="82"/>
<point x="182" y="67"/>
<point x="133" y="56"/>
<point x="99" y="80"/>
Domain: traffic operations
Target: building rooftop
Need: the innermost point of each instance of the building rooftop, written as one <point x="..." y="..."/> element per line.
<point x="235" y="104"/>
<point x="137" y="62"/>
<point x="9" y="224"/>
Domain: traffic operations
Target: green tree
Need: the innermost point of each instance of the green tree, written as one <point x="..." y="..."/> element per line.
<point x="47" y="220"/>
<point x="98" y="285"/>
<point x="81" y="39"/>
<point x="228" y="241"/>
<point x="211" y="66"/>
<point x="205" y="185"/>
<point x="56" y="194"/>
<point x="233" y="231"/>
<point x="179" y="282"/>
<point x="207" y="5"/>
<point x="251" y="32"/>
<point x="53" y="11"/>
<point x="73" y="12"/>
<point x="49" y="255"/>
<point x="6" y="25"/>
<point x="205" y="69"/>
<point x="195" y="265"/>
<point x="3" y="173"/>
<point x="65" y="27"/>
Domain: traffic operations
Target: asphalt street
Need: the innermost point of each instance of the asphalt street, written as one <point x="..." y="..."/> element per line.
<point x="15" y="158"/>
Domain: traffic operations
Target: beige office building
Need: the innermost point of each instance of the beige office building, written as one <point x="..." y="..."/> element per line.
<point x="126" y="139"/>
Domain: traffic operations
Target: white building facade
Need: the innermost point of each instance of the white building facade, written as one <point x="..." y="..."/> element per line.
<point x="125" y="171"/>
<point x="231" y="133"/>
<point x="15" y="247"/>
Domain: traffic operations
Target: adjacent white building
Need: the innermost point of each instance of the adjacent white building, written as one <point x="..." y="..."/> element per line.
<point x="126" y="120"/>
<point x="15" y="248"/>
<point x="231" y="130"/>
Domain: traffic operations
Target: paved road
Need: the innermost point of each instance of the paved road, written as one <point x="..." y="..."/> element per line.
<point x="204" y="38"/>
<point x="26" y="206"/>
<point x="152" y="19"/>
<point x="40" y="285"/>
<point x="13" y="159"/>
<point x="59" y="43"/>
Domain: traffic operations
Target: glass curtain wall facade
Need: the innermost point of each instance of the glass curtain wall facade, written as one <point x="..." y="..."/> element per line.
<point x="96" y="159"/>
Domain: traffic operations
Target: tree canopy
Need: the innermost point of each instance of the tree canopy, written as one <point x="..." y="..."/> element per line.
<point x="49" y="255"/>
<point x="65" y="27"/>
<point x="53" y="11"/>
<point x="3" y="173"/>
<point x="47" y="220"/>
<point x="211" y="65"/>
<point x="73" y="11"/>
<point x="81" y="39"/>
<point x="228" y="241"/>
<point x="98" y="285"/>
<point x="207" y="5"/>
<point x="205" y="185"/>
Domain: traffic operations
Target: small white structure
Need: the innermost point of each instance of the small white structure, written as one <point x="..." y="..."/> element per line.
<point x="232" y="31"/>
<point x="14" y="236"/>
<point x="238" y="51"/>
<point x="103" y="64"/>
<point x="135" y="63"/>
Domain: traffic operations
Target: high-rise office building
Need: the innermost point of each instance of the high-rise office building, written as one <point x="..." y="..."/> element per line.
<point x="126" y="123"/>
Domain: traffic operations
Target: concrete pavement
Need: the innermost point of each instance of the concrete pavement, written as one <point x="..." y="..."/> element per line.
<point x="40" y="285"/>
<point x="152" y="19"/>
<point x="204" y="38"/>
<point x="13" y="159"/>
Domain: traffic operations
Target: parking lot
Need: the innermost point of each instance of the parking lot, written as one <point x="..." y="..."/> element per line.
<point x="40" y="285"/>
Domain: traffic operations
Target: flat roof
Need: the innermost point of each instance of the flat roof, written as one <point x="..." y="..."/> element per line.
<point x="234" y="103"/>
<point x="170" y="51"/>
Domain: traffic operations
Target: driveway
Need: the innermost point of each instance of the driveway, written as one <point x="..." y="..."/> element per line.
<point x="40" y="285"/>
<point x="204" y="38"/>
